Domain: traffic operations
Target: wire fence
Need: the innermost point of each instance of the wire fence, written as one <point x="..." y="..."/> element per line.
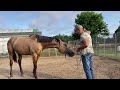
<point x="108" y="46"/>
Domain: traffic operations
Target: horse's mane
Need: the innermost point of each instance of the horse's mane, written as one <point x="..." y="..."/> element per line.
<point x="44" y="39"/>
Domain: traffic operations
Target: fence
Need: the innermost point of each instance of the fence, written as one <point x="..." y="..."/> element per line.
<point x="108" y="46"/>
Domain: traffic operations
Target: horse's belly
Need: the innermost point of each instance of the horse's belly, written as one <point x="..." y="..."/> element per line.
<point x="22" y="49"/>
<point x="22" y="52"/>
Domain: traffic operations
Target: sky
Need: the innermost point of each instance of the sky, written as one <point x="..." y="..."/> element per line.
<point x="51" y="23"/>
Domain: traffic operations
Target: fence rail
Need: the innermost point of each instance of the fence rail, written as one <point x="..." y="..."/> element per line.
<point x="108" y="46"/>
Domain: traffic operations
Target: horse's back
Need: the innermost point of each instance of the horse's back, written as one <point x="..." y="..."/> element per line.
<point x="16" y="39"/>
<point x="20" y="44"/>
<point x="25" y="45"/>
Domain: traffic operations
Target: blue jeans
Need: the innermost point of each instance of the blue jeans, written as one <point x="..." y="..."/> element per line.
<point x="87" y="60"/>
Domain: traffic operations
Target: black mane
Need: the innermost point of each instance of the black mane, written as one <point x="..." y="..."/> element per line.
<point x="45" y="39"/>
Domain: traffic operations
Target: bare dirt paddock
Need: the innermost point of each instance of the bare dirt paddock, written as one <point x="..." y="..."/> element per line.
<point x="61" y="68"/>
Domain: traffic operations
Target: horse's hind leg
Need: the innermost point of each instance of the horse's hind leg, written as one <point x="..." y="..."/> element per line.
<point x="11" y="64"/>
<point x="19" y="62"/>
<point x="35" y="59"/>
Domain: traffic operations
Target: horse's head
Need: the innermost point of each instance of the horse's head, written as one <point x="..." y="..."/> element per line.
<point x="51" y="42"/>
<point x="63" y="47"/>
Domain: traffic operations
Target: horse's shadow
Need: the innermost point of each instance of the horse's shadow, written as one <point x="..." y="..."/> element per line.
<point x="27" y="75"/>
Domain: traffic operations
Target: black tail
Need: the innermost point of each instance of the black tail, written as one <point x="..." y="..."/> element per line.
<point x="14" y="57"/>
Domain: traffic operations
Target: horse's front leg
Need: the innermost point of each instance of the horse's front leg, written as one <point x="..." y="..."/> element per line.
<point x="35" y="59"/>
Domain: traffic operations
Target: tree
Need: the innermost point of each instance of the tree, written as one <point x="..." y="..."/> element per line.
<point x="93" y="22"/>
<point x="64" y="38"/>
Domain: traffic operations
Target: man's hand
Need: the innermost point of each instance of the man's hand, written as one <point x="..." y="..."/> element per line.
<point x="83" y="46"/>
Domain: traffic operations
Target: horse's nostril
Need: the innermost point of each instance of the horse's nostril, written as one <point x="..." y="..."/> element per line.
<point x="72" y="54"/>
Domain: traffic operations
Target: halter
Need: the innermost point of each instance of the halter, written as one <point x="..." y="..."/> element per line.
<point x="66" y="49"/>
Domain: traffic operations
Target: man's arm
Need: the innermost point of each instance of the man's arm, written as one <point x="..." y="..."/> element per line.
<point x="84" y="44"/>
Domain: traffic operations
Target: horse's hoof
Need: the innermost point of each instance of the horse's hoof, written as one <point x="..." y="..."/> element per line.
<point x="10" y="77"/>
<point x="35" y="77"/>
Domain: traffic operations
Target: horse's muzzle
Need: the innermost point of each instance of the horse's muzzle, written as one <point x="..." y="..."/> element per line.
<point x="70" y="53"/>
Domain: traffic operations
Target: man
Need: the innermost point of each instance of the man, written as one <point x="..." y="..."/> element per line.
<point x="86" y="50"/>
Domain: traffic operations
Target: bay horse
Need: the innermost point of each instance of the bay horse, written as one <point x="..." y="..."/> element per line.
<point x="33" y="45"/>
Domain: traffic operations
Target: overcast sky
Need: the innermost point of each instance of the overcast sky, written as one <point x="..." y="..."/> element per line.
<point x="51" y="23"/>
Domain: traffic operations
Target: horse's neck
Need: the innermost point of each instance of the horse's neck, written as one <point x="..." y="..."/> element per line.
<point x="48" y="45"/>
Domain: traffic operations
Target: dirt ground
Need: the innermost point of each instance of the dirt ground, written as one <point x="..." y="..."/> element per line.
<point x="61" y="68"/>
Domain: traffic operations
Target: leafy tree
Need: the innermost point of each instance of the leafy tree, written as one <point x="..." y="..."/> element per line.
<point x="64" y="38"/>
<point x="93" y="22"/>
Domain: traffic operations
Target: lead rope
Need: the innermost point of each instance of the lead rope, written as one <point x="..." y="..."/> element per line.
<point x="78" y="61"/>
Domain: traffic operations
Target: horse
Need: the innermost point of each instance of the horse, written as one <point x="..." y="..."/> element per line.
<point x="33" y="45"/>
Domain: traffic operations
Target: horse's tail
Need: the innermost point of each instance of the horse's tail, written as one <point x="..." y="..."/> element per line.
<point x="14" y="56"/>
<point x="11" y="50"/>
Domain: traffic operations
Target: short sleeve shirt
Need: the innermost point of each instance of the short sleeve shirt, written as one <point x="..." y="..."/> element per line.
<point x="88" y="49"/>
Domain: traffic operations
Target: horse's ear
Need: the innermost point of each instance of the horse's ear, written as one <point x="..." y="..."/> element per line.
<point x="57" y="39"/>
<point x="34" y="36"/>
<point x="37" y="36"/>
<point x="31" y="35"/>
